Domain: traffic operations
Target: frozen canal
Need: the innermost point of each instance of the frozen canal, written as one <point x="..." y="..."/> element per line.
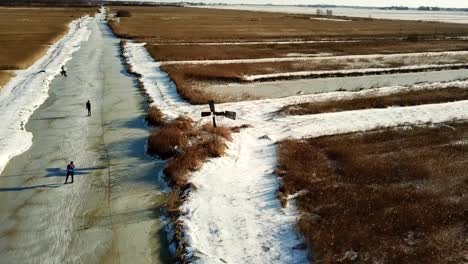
<point x="111" y="213"/>
<point x="277" y="89"/>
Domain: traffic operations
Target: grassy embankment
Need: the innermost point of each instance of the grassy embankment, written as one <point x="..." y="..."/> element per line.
<point x="386" y="196"/>
<point x="27" y="33"/>
<point x="163" y="27"/>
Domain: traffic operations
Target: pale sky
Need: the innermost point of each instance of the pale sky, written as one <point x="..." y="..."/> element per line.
<point x="410" y="3"/>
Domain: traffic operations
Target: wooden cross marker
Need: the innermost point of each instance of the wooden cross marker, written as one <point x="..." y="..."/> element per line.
<point x="213" y="113"/>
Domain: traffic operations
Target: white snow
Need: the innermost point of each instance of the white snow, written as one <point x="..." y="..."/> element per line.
<point x="29" y="89"/>
<point x="279" y="42"/>
<point x="318" y="58"/>
<point x="350" y="71"/>
<point x="233" y="215"/>
<point x="330" y="19"/>
<point x="158" y="85"/>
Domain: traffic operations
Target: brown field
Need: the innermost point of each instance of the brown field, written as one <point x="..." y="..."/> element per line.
<point x="386" y="196"/>
<point x="176" y="24"/>
<point x="5" y="76"/>
<point x="27" y="33"/>
<point x="407" y="98"/>
<point x="228" y="52"/>
<point x="166" y="25"/>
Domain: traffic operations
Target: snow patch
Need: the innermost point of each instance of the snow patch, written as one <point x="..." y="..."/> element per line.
<point x="159" y="87"/>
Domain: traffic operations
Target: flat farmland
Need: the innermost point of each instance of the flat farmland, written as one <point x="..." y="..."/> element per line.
<point x="186" y="51"/>
<point x="27" y="33"/>
<point x="181" y="24"/>
<point x="166" y="28"/>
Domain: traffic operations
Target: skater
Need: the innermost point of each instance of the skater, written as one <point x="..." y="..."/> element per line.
<point x="63" y="72"/>
<point x="70" y="171"/>
<point x="88" y="107"/>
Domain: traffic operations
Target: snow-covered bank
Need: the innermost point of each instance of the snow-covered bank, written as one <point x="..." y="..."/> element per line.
<point x="157" y="84"/>
<point x="233" y="215"/>
<point x="320" y="57"/>
<point x="29" y="89"/>
<point x="354" y="72"/>
<point x="279" y="42"/>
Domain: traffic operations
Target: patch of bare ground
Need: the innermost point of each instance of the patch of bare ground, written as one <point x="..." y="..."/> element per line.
<point x="5" y="76"/>
<point x="27" y="33"/>
<point x="170" y="52"/>
<point x="385" y="196"/>
<point x="407" y="98"/>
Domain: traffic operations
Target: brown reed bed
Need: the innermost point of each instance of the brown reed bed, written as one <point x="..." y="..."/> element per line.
<point x="406" y="98"/>
<point x="385" y="196"/>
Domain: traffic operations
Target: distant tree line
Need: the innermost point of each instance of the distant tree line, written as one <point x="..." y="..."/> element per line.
<point x="78" y="3"/>
<point x="50" y="2"/>
<point x="424" y="8"/>
<point x="396" y="8"/>
<point x="428" y="8"/>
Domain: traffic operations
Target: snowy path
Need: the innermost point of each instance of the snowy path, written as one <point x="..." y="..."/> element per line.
<point x="111" y="213"/>
<point x="233" y="215"/>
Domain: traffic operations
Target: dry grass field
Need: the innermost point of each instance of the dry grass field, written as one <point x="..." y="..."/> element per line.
<point x="5" y="76"/>
<point x="27" y="33"/>
<point x="390" y="196"/>
<point x="176" y="24"/>
<point x="225" y="52"/>
<point x="408" y="98"/>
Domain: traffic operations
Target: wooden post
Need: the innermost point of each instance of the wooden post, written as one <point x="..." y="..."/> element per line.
<point x="213" y="113"/>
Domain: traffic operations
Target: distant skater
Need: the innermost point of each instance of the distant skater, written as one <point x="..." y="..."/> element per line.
<point x="70" y="171"/>
<point x="63" y="72"/>
<point x="88" y="107"/>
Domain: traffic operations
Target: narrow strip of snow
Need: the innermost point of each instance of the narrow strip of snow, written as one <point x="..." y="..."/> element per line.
<point x="330" y="19"/>
<point x="362" y="120"/>
<point x="371" y="56"/>
<point x="156" y="82"/>
<point x="29" y="89"/>
<point x="279" y="42"/>
<point x="355" y="71"/>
